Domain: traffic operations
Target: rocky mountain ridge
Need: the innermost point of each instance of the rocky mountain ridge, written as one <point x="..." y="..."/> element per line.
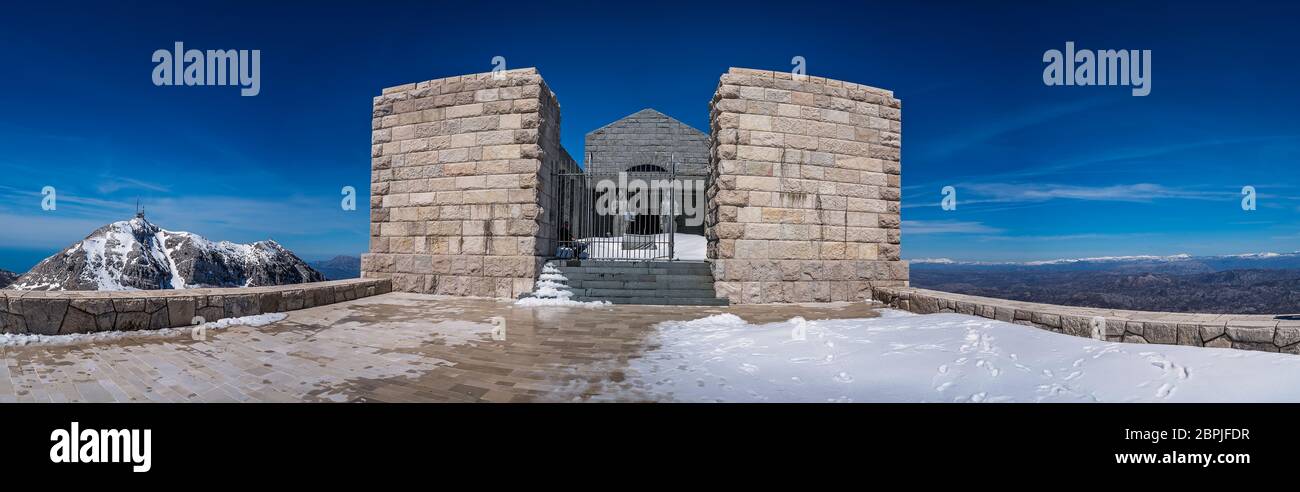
<point x="138" y="255"/>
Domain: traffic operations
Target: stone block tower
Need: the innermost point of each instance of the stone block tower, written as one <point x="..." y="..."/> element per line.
<point x="460" y="168"/>
<point x="804" y="195"/>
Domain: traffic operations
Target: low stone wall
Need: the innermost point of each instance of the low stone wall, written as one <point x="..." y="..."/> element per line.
<point x="1249" y="332"/>
<point x="67" y="312"/>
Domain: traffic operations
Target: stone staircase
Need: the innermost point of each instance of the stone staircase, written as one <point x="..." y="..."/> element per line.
<point x="676" y="283"/>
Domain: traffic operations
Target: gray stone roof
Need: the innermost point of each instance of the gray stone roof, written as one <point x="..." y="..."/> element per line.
<point x="647" y="137"/>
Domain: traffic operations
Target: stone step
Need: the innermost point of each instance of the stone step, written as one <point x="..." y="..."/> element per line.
<point x="660" y="301"/>
<point x="654" y="284"/>
<point x="660" y="268"/>
<point x="682" y="283"/>
<point x="645" y="292"/>
<point x="580" y="274"/>
<point x="619" y="277"/>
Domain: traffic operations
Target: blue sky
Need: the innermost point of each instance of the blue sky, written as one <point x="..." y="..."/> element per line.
<point x="1041" y="172"/>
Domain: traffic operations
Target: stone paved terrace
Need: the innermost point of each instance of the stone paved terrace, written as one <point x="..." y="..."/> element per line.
<point x="1269" y="333"/>
<point x="395" y="347"/>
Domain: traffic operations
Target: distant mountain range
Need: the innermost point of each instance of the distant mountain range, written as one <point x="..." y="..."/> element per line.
<point x="1264" y="283"/>
<point x="1181" y="263"/>
<point x="339" y="268"/>
<point x="135" y="254"/>
<point x="7" y="277"/>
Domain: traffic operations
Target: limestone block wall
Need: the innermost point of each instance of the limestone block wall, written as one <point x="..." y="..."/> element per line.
<point x="1266" y="333"/>
<point x="804" y="191"/>
<point x="460" y="167"/>
<point x="67" y="312"/>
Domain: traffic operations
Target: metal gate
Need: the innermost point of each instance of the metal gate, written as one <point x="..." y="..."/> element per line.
<point x="640" y="214"/>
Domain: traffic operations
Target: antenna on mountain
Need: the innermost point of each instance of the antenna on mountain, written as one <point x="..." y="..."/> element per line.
<point x="139" y="209"/>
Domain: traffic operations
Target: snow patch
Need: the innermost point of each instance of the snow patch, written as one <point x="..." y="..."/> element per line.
<point x="685" y="247"/>
<point x="904" y="357"/>
<point x="551" y="291"/>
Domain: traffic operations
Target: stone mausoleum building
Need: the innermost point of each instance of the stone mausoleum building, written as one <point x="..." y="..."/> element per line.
<point x="647" y="140"/>
<point x="802" y="180"/>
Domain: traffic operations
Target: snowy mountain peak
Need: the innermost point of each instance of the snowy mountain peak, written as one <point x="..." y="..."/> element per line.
<point x="138" y="255"/>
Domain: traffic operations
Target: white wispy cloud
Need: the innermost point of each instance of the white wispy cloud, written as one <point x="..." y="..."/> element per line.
<point x="946" y="227"/>
<point x="1070" y="237"/>
<point x="984" y="193"/>
<point x="1105" y="158"/>
<point x="110" y="184"/>
<point x="997" y="128"/>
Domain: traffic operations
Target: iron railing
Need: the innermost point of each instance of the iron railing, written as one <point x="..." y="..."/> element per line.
<point x="638" y="214"/>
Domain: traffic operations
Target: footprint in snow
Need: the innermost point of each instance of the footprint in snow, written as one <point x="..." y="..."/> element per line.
<point x="988" y="365"/>
<point x="1166" y="390"/>
<point x="843" y="377"/>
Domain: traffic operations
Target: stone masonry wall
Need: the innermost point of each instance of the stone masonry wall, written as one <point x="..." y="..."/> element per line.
<point x="804" y="195"/>
<point x="1266" y="333"/>
<point x="67" y="312"/>
<point x="459" y="171"/>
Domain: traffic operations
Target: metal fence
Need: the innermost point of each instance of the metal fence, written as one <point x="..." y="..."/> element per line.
<point x="637" y="214"/>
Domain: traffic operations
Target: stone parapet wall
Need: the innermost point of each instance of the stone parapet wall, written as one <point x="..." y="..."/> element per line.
<point x="805" y="186"/>
<point x="1249" y="332"/>
<point x="67" y="312"/>
<point x="459" y="170"/>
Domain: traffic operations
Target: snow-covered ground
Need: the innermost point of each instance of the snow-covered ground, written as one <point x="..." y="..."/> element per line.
<point x="686" y="247"/>
<point x="902" y="357"/>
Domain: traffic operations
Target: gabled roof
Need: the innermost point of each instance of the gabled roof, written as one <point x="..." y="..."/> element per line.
<point x="648" y="116"/>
